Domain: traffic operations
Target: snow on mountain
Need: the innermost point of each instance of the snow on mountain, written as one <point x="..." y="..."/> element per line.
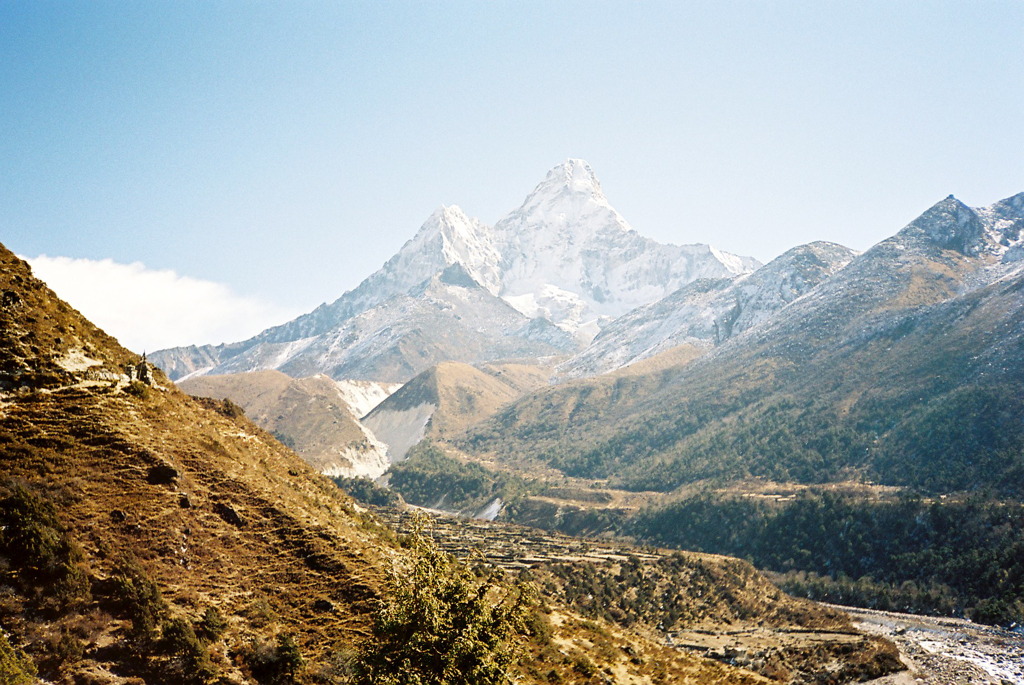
<point x="1004" y="228"/>
<point x="447" y="317"/>
<point x="995" y="232"/>
<point x="446" y="238"/>
<point x="569" y="256"/>
<point x="565" y="260"/>
<point x="948" y="252"/>
<point x="709" y="311"/>
<point x="362" y="396"/>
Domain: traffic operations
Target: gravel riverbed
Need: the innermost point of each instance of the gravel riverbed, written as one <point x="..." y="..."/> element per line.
<point x="946" y="651"/>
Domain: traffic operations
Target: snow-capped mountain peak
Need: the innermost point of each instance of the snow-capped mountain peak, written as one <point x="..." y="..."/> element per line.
<point x="567" y="240"/>
<point x="568" y="201"/>
<point x="996" y="230"/>
<point x="447" y="237"/>
<point x="564" y="257"/>
<point x="459" y="240"/>
<point x="571" y="177"/>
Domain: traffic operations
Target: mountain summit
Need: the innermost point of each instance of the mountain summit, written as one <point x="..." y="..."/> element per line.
<point x="541" y="281"/>
<point x="569" y="256"/>
<point x="573" y="178"/>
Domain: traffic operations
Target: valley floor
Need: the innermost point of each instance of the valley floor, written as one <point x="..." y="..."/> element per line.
<point x="946" y="651"/>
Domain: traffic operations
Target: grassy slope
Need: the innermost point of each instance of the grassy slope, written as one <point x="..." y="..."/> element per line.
<point x="204" y="507"/>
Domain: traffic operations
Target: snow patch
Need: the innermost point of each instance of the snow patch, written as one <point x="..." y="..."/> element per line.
<point x="400" y="430"/>
<point x="490" y="512"/>
<point x="355" y="462"/>
<point x="363" y="396"/>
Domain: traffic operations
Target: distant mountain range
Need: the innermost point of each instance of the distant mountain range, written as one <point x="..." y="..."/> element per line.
<point x="903" y="367"/>
<point x="688" y="397"/>
<point x="708" y="311"/>
<point x="858" y="362"/>
<point x="540" y="282"/>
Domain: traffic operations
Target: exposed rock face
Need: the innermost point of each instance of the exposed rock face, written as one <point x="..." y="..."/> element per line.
<point x="541" y="281"/>
<point x="707" y="312"/>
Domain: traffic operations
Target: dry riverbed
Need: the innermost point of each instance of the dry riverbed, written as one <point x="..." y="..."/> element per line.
<point x="946" y="651"/>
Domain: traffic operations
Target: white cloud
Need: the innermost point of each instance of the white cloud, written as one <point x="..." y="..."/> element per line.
<point x="148" y="309"/>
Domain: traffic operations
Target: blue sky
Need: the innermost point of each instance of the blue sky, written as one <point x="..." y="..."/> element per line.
<point x="283" y="151"/>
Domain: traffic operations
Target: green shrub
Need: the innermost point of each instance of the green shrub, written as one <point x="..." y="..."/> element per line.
<point x="190" y="661"/>
<point x="212" y="625"/>
<point x="138" y="389"/>
<point x="274" y="661"/>
<point x="15" y="667"/>
<point x="443" y="625"/>
<point x="141" y="600"/>
<point x="62" y="650"/>
<point x="39" y="550"/>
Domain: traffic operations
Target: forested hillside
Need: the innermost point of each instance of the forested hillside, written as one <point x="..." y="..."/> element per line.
<point x="904" y="368"/>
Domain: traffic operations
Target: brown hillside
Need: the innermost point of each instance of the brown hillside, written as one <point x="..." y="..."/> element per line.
<point x="444" y="400"/>
<point x="202" y="502"/>
<point x="149" y="537"/>
<point x="308" y="414"/>
<point x="467" y="394"/>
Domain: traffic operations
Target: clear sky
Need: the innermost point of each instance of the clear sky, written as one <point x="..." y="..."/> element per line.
<point x="274" y="154"/>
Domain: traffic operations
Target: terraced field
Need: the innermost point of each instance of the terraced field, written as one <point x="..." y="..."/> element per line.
<point x="714" y="606"/>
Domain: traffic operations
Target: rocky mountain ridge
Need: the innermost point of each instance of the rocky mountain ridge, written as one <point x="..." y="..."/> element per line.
<point x="854" y="375"/>
<point x="565" y="261"/>
<point x="707" y="312"/>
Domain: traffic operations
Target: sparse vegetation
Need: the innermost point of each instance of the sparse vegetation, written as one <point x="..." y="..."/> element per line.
<point x="39" y="553"/>
<point x="274" y="660"/>
<point x="366" y="491"/>
<point x="189" y="658"/>
<point x="211" y="625"/>
<point x="137" y="388"/>
<point x="140" y="598"/>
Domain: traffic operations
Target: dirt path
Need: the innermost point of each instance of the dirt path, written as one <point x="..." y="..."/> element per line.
<point x="946" y="651"/>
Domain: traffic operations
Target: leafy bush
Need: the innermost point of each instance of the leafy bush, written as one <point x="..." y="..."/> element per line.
<point x="443" y="625"/>
<point x="140" y="598"/>
<point x="15" y="667"/>
<point x="40" y="551"/>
